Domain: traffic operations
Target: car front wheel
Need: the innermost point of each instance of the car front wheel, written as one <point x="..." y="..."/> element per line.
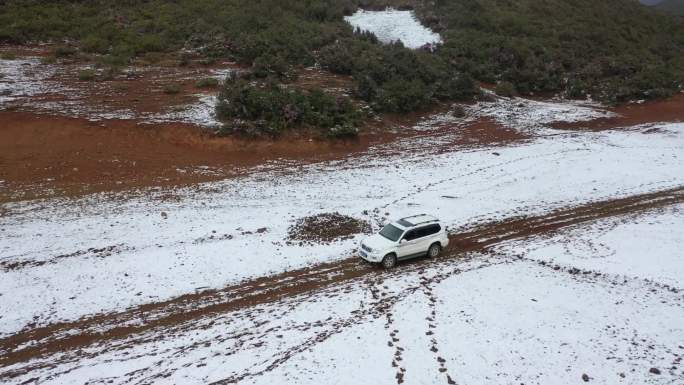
<point x="389" y="261"/>
<point x="434" y="250"/>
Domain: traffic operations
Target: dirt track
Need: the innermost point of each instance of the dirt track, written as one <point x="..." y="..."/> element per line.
<point x="70" y="337"/>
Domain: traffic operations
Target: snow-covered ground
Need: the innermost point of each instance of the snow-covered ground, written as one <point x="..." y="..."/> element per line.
<point x="69" y="258"/>
<point x="484" y="319"/>
<point x="392" y="25"/>
<point x="36" y="86"/>
<point x="637" y="246"/>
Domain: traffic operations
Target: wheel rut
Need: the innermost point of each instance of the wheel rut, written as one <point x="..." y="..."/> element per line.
<point x="69" y="337"/>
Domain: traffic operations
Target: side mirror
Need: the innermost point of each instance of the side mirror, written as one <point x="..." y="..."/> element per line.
<point x="403" y="240"/>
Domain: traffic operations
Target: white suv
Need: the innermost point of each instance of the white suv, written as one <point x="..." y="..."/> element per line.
<point x="405" y="238"/>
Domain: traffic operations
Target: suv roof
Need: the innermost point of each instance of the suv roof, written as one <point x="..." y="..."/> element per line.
<point x="416" y="220"/>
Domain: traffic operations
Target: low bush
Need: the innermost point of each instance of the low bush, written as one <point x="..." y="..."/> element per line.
<point x="613" y="50"/>
<point x="171" y="89"/>
<point x="207" y="83"/>
<point x="87" y="75"/>
<point x="257" y="108"/>
<point x="506" y="89"/>
<point x="8" y="56"/>
<point x="50" y="59"/>
<point x="64" y="51"/>
<point x="394" y="78"/>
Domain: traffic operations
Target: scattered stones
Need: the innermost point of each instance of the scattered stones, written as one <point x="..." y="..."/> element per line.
<point x="585" y="377"/>
<point x="654" y="371"/>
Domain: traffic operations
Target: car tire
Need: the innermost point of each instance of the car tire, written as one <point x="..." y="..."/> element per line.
<point x="389" y="261"/>
<point x="434" y="250"/>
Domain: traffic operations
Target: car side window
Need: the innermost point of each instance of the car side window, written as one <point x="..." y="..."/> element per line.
<point x="426" y="231"/>
<point x="432" y="229"/>
<point x="410" y="235"/>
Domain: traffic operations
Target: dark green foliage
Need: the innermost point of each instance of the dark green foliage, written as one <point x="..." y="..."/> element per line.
<point x="256" y="108"/>
<point x="65" y="51"/>
<point x="86" y="75"/>
<point x="394" y="78"/>
<point x="614" y="50"/>
<point x="171" y="89"/>
<point x="506" y="89"/>
<point x="271" y="30"/>
<point x="207" y="83"/>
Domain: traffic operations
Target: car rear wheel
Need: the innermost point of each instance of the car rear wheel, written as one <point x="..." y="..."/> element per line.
<point x="434" y="250"/>
<point x="389" y="261"/>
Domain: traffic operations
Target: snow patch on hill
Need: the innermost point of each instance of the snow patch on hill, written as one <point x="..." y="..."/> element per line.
<point x="393" y="25"/>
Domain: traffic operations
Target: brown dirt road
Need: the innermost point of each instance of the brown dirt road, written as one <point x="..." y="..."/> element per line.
<point x="70" y="337"/>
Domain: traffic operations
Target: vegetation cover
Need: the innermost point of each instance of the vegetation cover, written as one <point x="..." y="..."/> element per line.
<point x="613" y="50"/>
<point x="254" y="108"/>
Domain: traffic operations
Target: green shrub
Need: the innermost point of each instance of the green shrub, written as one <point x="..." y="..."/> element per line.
<point x="94" y="44"/>
<point x="506" y="89"/>
<point x="394" y="78"/>
<point x="267" y="108"/>
<point x="64" y="51"/>
<point x="86" y="75"/>
<point x="207" y="83"/>
<point x="50" y="59"/>
<point x="171" y="89"/>
<point x="611" y="49"/>
<point x="8" y="56"/>
<point x="582" y="47"/>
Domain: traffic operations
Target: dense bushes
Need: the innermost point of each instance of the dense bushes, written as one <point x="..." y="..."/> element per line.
<point x="394" y="78"/>
<point x="246" y="30"/>
<point x="614" y="50"/>
<point x="257" y="108"/>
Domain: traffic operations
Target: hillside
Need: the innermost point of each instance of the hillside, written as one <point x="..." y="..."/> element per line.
<point x="675" y="7"/>
<point x="613" y="51"/>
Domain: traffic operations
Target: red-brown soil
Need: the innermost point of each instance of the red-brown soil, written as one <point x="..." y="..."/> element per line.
<point x="667" y="110"/>
<point x="39" y="153"/>
<point x="43" y="155"/>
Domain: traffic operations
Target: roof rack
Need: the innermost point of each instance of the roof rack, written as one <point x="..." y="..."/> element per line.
<point x="412" y="224"/>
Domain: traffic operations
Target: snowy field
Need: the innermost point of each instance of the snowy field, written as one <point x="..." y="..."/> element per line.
<point x="484" y="319"/>
<point x="392" y="25"/>
<point x="73" y="257"/>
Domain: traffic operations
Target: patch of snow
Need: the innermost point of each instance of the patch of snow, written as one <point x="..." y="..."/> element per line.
<point x="24" y="78"/>
<point x="528" y="115"/>
<point x="393" y="25"/>
<point x="201" y="113"/>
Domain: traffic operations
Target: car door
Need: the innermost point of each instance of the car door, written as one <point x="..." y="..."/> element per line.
<point x="428" y="236"/>
<point x="423" y="239"/>
<point x="408" y="246"/>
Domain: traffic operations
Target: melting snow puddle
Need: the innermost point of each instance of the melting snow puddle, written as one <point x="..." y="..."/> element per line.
<point x="392" y="25"/>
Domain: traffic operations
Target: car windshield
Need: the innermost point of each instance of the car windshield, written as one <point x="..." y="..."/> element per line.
<point x="391" y="232"/>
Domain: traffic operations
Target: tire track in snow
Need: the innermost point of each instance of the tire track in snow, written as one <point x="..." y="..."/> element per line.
<point x="68" y="337"/>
